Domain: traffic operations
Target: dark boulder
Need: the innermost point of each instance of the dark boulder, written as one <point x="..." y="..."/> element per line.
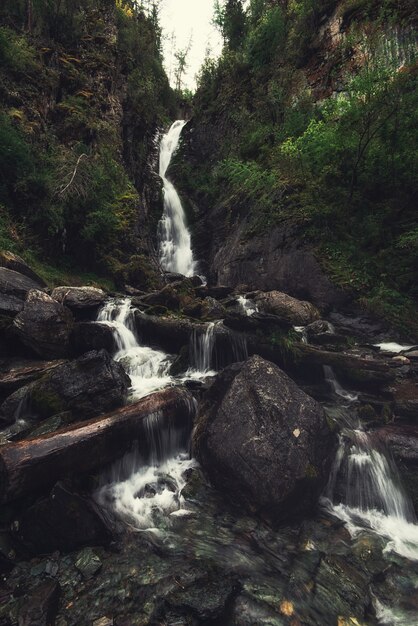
<point x="406" y="400"/>
<point x="44" y="325"/>
<point x="263" y="441"/>
<point x="14" y="284"/>
<point x="63" y="521"/>
<point x="40" y="606"/>
<point x="91" y="385"/>
<point x="257" y="322"/>
<point x="14" y="262"/>
<point x="88" y="336"/>
<point x="80" y="298"/>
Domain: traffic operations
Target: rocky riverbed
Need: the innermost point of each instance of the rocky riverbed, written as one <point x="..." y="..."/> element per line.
<point x="200" y="455"/>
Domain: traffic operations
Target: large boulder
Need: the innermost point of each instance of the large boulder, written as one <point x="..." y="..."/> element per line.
<point x="80" y="298"/>
<point x="91" y="385"/>
<point x="44" y="325"/>
<point x="297" y="312"/>
<point x="263" y="441"/>
<point x="14" y="262"/>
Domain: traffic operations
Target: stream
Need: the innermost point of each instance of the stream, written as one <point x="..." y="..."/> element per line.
<point x="366" y="522"/>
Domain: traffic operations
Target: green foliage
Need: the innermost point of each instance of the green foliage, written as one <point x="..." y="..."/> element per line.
<point x="267" y="38"/>
<point x="15" y="52"/>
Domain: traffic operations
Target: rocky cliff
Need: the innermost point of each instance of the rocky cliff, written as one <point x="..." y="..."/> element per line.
<point x="296" y="161"/>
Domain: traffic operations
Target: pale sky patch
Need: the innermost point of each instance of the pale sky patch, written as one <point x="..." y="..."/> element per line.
<point x="188" y="19"/>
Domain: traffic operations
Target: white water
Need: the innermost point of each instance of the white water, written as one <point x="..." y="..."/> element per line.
<point x="147" y="368"/>
<point x="371" y="493"/>
<point x="248" y="307"/>
<point x="201" y="350"/>
<point x="303" y="332"/>
<point x="336" y="387"/>
<point x="145" y="493"/>
<point x="175" y="248"/>
<point x="391" y="346"/>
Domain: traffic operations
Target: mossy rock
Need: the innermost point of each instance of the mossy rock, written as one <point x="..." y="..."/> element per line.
<point x="46" y="402"/>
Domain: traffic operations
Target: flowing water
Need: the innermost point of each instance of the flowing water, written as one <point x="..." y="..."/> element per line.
<point x="148" y="369"/>
<point x="332" y="381"/>
<point x="144" y="490"/>
<point x="175" y="250"/>
<point x="247" y="306"/>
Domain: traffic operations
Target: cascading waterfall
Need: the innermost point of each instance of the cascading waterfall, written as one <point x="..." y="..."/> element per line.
<point x="146" y="491"/>
<point x="331" y="379"/>
<point x="201" y="349"/>
<point x="147" y="368"/>
<point x="175" y="250"/>
<point x="365" y="491"/>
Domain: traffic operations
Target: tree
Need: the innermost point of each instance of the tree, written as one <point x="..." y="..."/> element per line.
<point x="230" y="20"/>
<point x="181" y="59"/>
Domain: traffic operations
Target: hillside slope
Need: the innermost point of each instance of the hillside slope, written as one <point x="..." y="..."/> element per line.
<point x="82" y="92"/>
<point x="300" y="161"/>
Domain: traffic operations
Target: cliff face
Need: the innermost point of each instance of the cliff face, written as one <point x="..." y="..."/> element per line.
<point x="292" y="160"/>
<point x="82" y="91"/>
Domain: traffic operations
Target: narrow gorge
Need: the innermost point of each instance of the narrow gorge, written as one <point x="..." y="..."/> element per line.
<point x="208" y="400"/>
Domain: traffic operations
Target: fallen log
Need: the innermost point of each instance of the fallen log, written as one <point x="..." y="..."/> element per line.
<point x="36" y="464"/>
<point x="15" y="374"/>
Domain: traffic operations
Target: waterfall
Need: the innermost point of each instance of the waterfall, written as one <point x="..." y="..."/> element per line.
<point x="175" y="249"/>
<point x="365" y="491"/>
<point x="201" y="349"/>
<point x="247" y="306"/>
<point x="145" y="490"/>
<point x="335" y="385"/>
<point x="147" y="368"/>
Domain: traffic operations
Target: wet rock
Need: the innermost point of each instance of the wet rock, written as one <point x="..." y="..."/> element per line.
<point x="63" y="521"/>
<point x="195" y="486"/>
<point x="296" y="312"/>
<point x="103" y="621"/>
<point x="17" y="373"/>
<point x="322" y="333"/>
<point x="212" y="309"/>
<point x="265" y="322"/>
<point x="402" y="441"/>
<point x="44" y="325"/>
<point x="262" y="441"/>
<point x="88" y="386"/>
<point x="41" y="606"/>
<point x="215" y="291"/>
<point x="88" y="563"/>
<point x="79" y="298"/>
<point x="406" y="400"/>
<point x="88" y="336"/>
<point x="15" y="284"/>
<point x="14" y="262"/>
<point x="166" y="332"/>
<point x="50" y="425"/>
<point x="206" y="597"/>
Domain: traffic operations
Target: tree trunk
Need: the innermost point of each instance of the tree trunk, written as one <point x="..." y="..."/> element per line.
<point x="35" y="465"/>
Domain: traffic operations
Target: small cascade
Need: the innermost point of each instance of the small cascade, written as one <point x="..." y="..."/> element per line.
<point x="301" y="330"/>
<point x="365" y="491"/>
<point x="175" y="248"/>
<point x="201" y="349"/>
<point x="144" y="490"/>
<point x="247" y="306"/>
<point x="331" y="379"/>
<point x="147" y="368"/>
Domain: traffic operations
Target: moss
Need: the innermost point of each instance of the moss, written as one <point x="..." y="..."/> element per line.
<point x="367" y="412"/>
<point x="46" y="402"/>
<point x="311" y="472"/>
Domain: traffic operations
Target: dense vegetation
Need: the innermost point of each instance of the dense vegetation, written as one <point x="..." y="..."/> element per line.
<point x="82" y="90"/>
<point x="319" y="130"/>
